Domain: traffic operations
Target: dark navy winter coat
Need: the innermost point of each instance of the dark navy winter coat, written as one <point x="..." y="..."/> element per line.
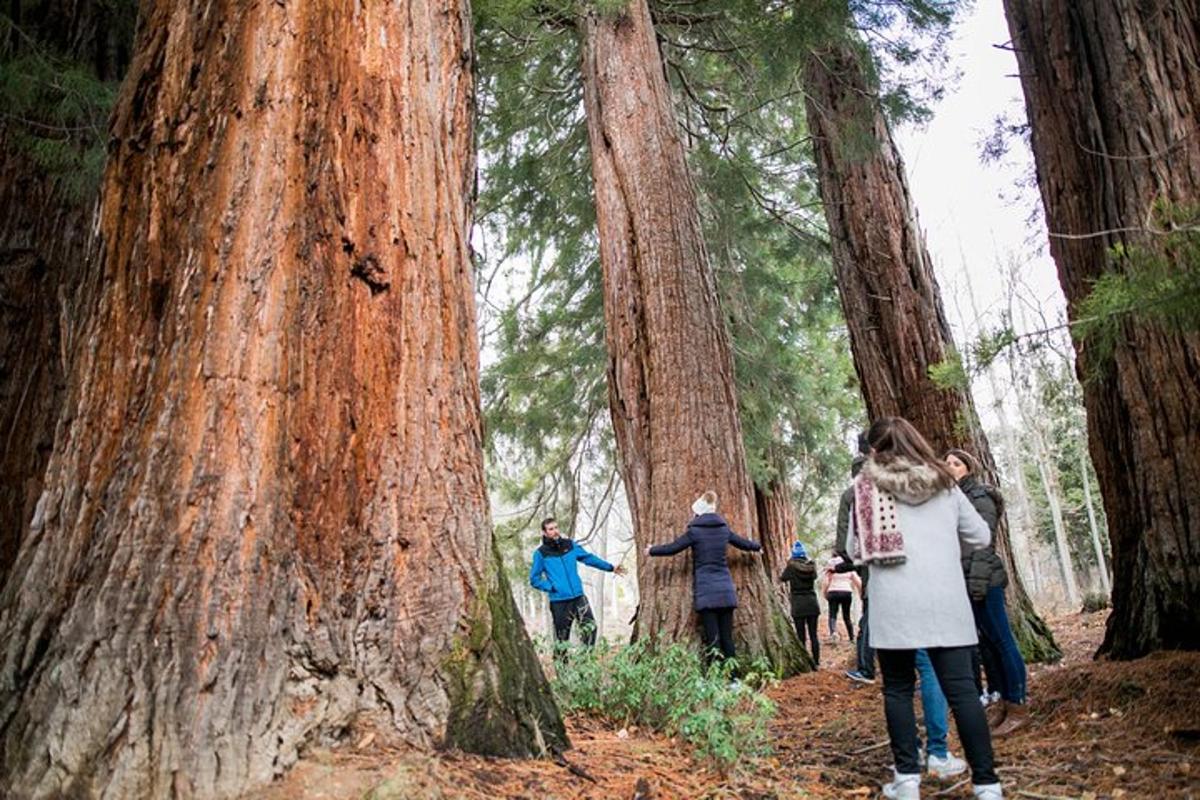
<point x="558" y="573"/>
<point x="708" y="535"/>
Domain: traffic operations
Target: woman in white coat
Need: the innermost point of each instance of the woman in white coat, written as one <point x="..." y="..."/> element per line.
<point x="911" y="524"/>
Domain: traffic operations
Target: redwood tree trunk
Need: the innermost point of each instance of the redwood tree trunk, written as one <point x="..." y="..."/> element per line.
<point x="44" y="235"/>
<point x="265" y="513"/>
<point x="776" y="524"/>
<point x="671" y="384"/>
<point x="890" y="297"/>
<point x="1113" y="97"/>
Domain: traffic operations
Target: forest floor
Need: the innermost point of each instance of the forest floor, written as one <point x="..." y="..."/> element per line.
<point x="1099" y="730"/>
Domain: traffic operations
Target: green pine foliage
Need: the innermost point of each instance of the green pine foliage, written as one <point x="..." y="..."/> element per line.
<point x="55" y="103"/>
<point x="1155" y="283"/>
<point x="741" y="108"/>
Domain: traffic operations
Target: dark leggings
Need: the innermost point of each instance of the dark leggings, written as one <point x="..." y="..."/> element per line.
<point x="718" y="632"/>
<point x="809" y="622"/>
<point x="568" y="612"/>
<point x="953" y="668"/>
<point x="840" y="600"/>
<point x="985" y="661"/>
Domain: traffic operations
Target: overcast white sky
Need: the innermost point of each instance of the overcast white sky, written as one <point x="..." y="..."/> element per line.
<point x="975" y="214"/>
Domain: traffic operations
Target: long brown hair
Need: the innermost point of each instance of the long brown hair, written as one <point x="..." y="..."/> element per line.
<point x="895" y="437"/>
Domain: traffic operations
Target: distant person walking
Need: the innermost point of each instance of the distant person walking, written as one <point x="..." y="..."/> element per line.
<point x="986" y="579"/>
<point x="801" y="576"/>
<point x="555" y="570"/>
<point x="838" y="588"/>
<point x="910" y="525"/>
<point x="713" y="594"/>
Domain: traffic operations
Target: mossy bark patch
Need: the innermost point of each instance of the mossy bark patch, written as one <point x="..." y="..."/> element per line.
<point x="501" y="703"/>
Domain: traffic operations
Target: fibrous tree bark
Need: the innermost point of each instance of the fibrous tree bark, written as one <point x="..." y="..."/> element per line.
<point x="44" y="237"/>
<point x="671" y="384"/>
<point x="1113" y="97"/>
<point x="265" y="513"/>
<point x="893" y="307"/>
<point x="776" y="523"/>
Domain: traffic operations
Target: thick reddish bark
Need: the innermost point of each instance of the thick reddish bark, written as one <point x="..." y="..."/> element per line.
<point x="671" y="385"/>
<point x="265" y="512"/>
<point x="1113" y="96"/>
<point x="776" y="523"/>
<point x="889" y="293"/>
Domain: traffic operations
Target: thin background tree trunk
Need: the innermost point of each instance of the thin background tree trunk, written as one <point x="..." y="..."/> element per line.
<point x="671" y="386"/>
<point x="1112" y="92"/>
<point x="265" y="513"/>
<point x="892" y="303"/>
<point x="1093" y="528"/>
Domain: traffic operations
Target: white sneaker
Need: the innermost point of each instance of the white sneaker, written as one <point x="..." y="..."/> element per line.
<point x="946" y="766"/>
<point x="988" y="791"/>
<point x="903" y="787"/>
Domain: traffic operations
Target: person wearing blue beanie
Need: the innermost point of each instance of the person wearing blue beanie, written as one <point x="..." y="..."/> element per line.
<point x="801" y="576"/>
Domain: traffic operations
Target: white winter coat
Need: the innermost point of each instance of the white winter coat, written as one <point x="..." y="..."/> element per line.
<point x="923" y="602"/>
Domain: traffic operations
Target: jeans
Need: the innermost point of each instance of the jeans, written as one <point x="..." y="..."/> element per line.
<point x="840" y="600"/>
<point x="567" y="612"/>
<point x="933" y="707"/>
<point x="865" y="653"/>
<point x="952" y="665"/>
<point x="809" y="622"/>
<point x="718" y="632"/>
<point x="991" y="618"/>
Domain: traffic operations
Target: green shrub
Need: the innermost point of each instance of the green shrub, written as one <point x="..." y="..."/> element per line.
<point x="670" y="690"/>
<point x="1095" y="601"/>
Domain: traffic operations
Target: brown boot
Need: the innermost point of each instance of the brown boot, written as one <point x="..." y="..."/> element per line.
<point x="1016" y="718"/>
<point x="996" y="712"/>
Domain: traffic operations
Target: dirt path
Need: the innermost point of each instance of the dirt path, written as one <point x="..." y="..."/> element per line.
<point x="1100" y="730"/>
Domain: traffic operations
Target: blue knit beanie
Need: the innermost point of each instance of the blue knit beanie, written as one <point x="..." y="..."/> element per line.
<point x="798" y="550"/>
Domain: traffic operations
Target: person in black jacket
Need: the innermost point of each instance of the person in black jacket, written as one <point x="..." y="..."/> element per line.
<point x="712" y="585"/>
<point x="801" y="574"/>
<point x="986" y="578"/>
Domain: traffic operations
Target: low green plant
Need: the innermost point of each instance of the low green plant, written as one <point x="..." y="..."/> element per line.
<point x="669" y="689"/>
<point x="1095" y="601"/>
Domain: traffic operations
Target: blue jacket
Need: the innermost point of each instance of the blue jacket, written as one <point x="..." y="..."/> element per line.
<point x="708" y="535"/>
<point x="558" y="573"/>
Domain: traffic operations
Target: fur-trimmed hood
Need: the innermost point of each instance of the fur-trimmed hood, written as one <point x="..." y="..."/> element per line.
<point x="909" y="481"/>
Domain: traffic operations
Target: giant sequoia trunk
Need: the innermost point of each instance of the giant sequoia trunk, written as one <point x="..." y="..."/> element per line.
<point x="671" y="384"/>
<point x="44" y="233"/>
<point x="265" y="511"/>
<point x="890" y="297"/>
<point x="776" y="523"/>
<point x="1113" y="97"/>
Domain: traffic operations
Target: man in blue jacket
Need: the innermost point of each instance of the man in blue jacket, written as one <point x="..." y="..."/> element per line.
<point x="555" y="571"/>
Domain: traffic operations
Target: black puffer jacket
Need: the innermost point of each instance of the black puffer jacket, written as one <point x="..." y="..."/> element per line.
<point x="983" y="569"/>
<point x="801" y="575"/>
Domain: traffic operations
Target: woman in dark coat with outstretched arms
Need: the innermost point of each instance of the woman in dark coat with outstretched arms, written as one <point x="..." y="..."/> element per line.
<point x="712" y="585"/>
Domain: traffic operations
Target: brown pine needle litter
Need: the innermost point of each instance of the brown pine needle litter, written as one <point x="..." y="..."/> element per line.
<point x="1099" y="729"/>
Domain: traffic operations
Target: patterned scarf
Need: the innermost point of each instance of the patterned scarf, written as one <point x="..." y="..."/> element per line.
<point x="877" y="536"/>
